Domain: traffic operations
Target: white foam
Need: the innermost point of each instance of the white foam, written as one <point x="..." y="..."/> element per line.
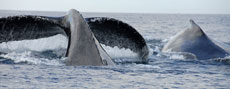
<point x="148" y="37"/>
<point x="166" y="40"/>
<point x="177" y="56"/>
<point x="20" y="51"/>
<point x="115" y="52"/>
<point x="145" y="66"/>
<point x="28" y="57"/>
<point x="49" y="43"/>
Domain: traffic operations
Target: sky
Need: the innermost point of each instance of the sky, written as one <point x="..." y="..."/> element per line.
<point x="122" y="6"/>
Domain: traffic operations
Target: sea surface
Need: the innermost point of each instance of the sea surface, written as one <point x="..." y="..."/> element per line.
<point x="39" y="63"/>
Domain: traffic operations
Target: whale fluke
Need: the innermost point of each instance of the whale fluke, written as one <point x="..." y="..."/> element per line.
<point x="194" y="40"/>
<point x="14" y="28"/>
<point x="112" y="32"/>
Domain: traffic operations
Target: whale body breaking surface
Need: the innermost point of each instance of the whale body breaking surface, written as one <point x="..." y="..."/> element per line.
<point x="195" y="41"/>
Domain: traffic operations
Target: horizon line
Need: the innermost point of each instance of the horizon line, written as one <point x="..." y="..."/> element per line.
<point x="115" y="12"/>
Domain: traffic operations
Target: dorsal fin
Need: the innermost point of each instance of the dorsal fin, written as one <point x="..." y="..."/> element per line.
<point x="196" y="28"/>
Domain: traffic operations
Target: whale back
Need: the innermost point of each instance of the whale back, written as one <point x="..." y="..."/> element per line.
<point x="194" y="40"/>
<point x="84" y="49"/>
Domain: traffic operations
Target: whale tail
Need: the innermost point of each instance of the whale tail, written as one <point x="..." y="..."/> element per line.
<point x="107" y="31"/>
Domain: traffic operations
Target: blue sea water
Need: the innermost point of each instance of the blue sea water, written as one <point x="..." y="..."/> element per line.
<point x="39" y="63"/>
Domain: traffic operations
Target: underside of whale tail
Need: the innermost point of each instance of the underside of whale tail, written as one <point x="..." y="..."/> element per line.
<point x="112" y="32"/>
<point x="26" y="27"/>
<point x="84" y="49"/>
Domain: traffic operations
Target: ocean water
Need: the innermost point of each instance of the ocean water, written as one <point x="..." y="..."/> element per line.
<point x="39" y="63"/>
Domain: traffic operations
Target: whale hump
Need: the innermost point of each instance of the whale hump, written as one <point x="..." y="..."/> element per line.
<point x="195" y="41"/>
